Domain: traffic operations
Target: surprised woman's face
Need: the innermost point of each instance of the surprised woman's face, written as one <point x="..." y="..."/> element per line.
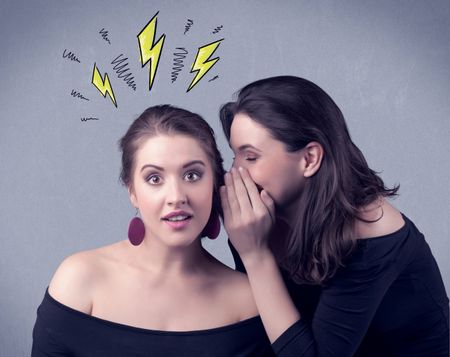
<point x="172" y="188"/>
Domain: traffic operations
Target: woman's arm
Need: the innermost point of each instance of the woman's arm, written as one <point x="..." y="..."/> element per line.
<point x="346" y="307"/>
<point x="248" y="222"/>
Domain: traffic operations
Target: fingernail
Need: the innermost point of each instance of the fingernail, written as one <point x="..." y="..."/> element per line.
<point x="241" y="169"/>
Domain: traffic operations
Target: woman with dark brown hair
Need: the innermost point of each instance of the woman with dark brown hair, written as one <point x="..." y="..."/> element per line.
<point x="159" y="293"/>
<point x="334" y="268"/>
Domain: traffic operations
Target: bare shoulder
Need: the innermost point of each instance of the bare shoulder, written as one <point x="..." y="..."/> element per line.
<point x="391" y="221"/>
<point x="236" y="291"/>
<point x="74" y="280"/>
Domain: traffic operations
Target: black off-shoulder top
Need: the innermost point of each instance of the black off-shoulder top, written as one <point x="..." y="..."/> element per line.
<point x="62" y="331"/>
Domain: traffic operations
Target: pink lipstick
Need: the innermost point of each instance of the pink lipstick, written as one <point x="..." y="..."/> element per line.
<point x="177" y="220"/>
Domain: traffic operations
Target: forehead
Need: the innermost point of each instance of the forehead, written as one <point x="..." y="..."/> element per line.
<point x="168" y="150"/>
<point x="246" y="131"/>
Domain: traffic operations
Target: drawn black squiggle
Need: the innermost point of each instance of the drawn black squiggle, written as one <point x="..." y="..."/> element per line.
<point x="188" y="26"/>
<point x="76" y="94"/>
<point x="217" y="29"/>
<point x="104" y="34"/>
<point x="89" y="118"/>
<point x="178" y="62"/>
<point x="213" y="79"/>
<point x="121" y="69"/>
<point x="71" y="56"/>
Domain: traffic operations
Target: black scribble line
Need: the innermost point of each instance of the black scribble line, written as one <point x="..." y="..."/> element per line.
<point x="178" y="62"/>
<point x="217" y="29"/>
<point x="89" y="118"/>
<point x="104" y="34"/>
<point x="76" y="94"/>
<point x="71" y="56"/>
<point x="121" y="68"/>
<point x="213" y="79"/>
<point x="188" y="26"/>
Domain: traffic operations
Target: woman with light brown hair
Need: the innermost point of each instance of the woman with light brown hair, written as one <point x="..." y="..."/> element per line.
<point x="159" y="293"/>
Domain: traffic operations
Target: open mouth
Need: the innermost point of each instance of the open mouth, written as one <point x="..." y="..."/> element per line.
<point x="178" y="222"/>
<point x="178" y="218"/>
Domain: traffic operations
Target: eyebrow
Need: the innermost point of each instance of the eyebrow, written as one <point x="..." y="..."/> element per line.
<point x="190" y="163"/>
<point x="247" y="146"/>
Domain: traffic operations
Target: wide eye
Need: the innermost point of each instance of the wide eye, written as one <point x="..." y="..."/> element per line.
<point x="154" y="179"/>
<point x="192" y="176"/>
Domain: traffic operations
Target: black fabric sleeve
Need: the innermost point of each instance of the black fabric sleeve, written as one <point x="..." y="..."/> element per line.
<point x="350" y="300"/>
<point x="343" y="315"/>
<point x="298" y="335"/>
<point x="46" y="339"/>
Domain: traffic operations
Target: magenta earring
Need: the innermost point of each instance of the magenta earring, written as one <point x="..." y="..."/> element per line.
<point x="136" y="231"/>
<point x="212" y="228"/>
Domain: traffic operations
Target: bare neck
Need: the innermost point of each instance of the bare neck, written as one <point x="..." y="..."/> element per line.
<point x="158" y="258"/>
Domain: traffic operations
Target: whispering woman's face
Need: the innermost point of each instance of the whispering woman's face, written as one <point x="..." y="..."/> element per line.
<point x="270" y="165"/>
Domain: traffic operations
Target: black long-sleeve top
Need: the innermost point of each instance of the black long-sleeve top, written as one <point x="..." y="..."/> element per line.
<point x="61" y="331"/>
<point x="389" y="300"/>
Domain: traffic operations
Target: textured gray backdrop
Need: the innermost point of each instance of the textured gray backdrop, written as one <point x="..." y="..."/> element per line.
<point x="386" y="63"/>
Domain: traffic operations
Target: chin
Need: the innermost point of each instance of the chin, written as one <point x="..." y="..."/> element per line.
<point x="180" y="239"/>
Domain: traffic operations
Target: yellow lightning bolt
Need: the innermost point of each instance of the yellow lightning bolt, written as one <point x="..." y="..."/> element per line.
<point x="103" y="85"/>
<point x="202" y="63"/>
<point x="150" y="51"/>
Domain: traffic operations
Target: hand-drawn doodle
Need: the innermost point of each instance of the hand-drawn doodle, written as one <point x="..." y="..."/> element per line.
<point x="76" y="94"/>
<point x="70" y="56"/>
<point x="121" y="70"/>
<point x="178" y="62"/>
<point x="104" y="86"/>
<point x="104" y="34"/>
<point x="149" y="50"/>
<point x="188" y="25"/>
<point x="217" y="29"/>
<point x="202" y="63"/>
<point x="89" y="118"/>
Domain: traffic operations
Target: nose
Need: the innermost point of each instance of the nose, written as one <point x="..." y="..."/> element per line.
<point x="233" y="164"/>
<point x="176" y="194"/>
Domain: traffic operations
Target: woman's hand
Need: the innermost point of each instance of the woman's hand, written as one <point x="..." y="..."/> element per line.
<point x="248" y="214"/>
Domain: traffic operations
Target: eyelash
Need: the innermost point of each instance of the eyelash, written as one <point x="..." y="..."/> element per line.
<point x="250" y="159"/>
<point x="198" y="174"/>
<point x="149" y="178"/>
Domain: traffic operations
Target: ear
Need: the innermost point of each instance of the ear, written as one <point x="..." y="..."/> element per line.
<point x="132" y="195"/>
<point x="312" y="158"/>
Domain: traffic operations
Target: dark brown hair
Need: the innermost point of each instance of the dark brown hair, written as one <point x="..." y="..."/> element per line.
<point x="169" y="120"/>
<point x="296" y="112"/>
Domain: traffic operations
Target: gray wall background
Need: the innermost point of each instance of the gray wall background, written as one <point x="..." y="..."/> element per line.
<point x="386" y="64"/>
